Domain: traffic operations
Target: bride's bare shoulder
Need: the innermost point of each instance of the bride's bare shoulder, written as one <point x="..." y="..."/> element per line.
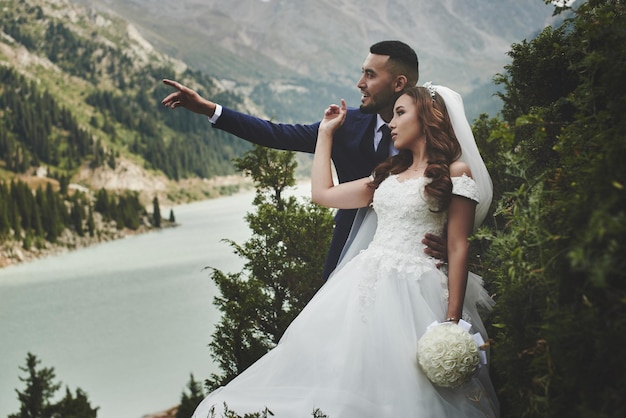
<point x="458" y="168"/>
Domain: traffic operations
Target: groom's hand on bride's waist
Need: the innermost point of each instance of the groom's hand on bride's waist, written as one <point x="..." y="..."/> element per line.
<point x="436" y="247"/>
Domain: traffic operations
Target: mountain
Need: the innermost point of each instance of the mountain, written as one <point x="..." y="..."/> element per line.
<point x="85" y="145"/>
<point x="80" y="99"/>
<point x="82" y="87"/>
<point x="300" y="42"/>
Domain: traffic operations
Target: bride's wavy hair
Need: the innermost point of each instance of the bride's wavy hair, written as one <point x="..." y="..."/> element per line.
<point x="442" y="148"/>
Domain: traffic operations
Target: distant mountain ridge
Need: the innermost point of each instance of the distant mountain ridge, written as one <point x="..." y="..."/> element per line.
<point x="460" y="43"/>
<point x="284" y="60"/>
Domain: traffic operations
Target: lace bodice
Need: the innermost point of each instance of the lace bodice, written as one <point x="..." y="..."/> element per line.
<point x="404" y="214"/>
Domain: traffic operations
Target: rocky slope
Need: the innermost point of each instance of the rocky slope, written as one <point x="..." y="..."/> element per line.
<point x="459" y="42"/>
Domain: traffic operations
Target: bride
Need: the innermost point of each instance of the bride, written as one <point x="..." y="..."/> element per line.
<point x="351" y="353"/>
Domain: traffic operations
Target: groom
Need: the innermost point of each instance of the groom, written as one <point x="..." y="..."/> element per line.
<point x="358" y="146"/>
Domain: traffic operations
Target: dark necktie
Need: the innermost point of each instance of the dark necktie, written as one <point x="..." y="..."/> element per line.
<point x="382" y="152"/>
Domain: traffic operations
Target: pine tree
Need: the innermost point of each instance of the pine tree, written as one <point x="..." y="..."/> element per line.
<point x="91" y="224"/>
<point x="77" y="216"/>
<point x="285" y="256"/>
<point x="16" y="219"/>
<point x="21" y="195"/>
<point x="53" y="213"/>
<point x="5" y="223"/>
<point x="35" y="399"/>
<point x="74" y="406"/>
<point x="129" y="211"/>
<point x="156" y="213"/>
<point x="64" y="182"/>
<point x="103" y="204"/>
<point x="36" y="222"/>
<point x="189" y="401"/>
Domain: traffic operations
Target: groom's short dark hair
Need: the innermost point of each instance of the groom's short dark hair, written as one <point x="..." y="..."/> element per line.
<point x="401" y="54"/>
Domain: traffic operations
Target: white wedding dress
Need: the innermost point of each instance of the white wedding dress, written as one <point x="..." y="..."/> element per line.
<point x="351" y="353"/>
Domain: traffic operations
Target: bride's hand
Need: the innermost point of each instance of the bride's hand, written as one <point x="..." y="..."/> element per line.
<point x="334" y="117"/>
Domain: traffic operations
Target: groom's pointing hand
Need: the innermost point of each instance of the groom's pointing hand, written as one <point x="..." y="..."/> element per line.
<point x="187" y="98"/>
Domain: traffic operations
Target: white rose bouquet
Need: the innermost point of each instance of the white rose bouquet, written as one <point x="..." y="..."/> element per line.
<point x="449" y="355"/>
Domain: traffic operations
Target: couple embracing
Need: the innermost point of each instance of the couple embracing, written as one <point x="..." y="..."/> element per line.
<point x="412" y="187"/>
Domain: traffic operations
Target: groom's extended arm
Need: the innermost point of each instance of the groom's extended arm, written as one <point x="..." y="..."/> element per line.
<point x="250" y="128"/>
<point x="268" y="134"/>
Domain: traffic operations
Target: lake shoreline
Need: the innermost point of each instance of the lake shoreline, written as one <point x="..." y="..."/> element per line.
<point x="12" y="252"/>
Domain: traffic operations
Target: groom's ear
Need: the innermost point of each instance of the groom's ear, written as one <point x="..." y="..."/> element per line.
<point x="401" y="83"/>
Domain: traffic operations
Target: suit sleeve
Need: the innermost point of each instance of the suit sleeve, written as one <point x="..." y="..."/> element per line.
<point x="268" y="134"/>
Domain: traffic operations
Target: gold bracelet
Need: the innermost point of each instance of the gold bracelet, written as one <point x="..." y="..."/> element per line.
<point x="451" y="319"/>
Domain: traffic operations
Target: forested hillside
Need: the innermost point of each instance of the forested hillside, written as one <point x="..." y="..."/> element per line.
<point x="80" y="88"/>
<point x="80" y="100"/>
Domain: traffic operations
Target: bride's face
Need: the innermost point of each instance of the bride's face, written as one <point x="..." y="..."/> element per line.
<point x="406" y="129"/>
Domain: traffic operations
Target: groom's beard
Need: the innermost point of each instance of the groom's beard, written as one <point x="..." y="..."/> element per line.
<point x="369" y="109"/>
<point x="379" y="102"/>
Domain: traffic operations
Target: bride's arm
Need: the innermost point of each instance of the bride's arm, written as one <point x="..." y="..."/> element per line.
<point x="460" y="226"/>
<point x="349" y="195"/>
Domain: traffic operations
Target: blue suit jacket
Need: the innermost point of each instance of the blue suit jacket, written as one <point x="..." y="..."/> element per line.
<point x="352" y="153"/>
